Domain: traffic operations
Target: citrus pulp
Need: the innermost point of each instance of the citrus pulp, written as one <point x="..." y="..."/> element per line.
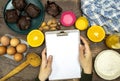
<point x="96" y="33"/>
<point x="35" y="38"/>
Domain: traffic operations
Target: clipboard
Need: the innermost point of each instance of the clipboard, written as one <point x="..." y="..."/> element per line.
<point x="64" y="47"/>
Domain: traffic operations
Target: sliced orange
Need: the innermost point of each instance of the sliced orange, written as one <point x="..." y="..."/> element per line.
<point x="96" y="33"/>
<point x="35" y="38"/>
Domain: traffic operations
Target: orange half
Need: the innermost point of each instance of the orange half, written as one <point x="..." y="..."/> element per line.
<point x="35" y="38"/>
<point x="96" y="33"/>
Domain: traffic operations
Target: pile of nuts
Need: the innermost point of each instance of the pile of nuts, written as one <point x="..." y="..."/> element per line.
<point x="52" y="25"/>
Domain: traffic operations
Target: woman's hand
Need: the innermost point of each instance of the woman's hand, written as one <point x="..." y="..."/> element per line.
<point x="85" y="57"/>
<point x="46" y="66"/>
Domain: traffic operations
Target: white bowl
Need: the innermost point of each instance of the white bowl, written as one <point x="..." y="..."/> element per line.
<point x="107" y="64"/>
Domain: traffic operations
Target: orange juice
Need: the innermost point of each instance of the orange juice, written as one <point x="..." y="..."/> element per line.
<point x="113" y="41"/>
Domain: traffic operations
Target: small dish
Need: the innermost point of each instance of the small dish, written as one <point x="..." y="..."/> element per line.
<point x="68" y="18"/>
<point x="35" y="23"/>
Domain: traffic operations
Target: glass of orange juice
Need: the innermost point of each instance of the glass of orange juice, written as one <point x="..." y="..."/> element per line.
<point x="113" y="41"/>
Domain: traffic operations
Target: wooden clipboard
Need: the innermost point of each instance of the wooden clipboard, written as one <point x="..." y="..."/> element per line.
<point x="64" y="46"/>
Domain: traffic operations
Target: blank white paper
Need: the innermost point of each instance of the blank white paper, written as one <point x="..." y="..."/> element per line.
<point x="65" y="52"/>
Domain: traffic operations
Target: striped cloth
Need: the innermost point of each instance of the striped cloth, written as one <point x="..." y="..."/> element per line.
<point x="105" y="13"/>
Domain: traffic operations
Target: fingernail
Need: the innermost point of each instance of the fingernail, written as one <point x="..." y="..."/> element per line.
<point x="51" y="56"/>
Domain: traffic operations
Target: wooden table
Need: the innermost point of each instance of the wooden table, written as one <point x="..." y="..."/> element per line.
<point x="29" y="73"/>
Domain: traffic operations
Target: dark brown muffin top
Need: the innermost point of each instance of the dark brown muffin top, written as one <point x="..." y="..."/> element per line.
<point x="32" y="10"/>
<point x="24" y="22"/>
<point x="53" y="9"/>
<point x="19" y="4"/>
<point x="12" y="15"/>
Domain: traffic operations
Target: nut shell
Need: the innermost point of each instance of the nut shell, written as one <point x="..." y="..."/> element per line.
<point x="43" y="24"/>
<point x="49" y="22"/>
<point x="45" y="28"/>
<point x="53" y="25"/>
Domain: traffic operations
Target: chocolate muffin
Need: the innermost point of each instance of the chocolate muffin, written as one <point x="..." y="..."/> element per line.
<point x="53" y="9"/>
<point x="24" y="22"/>
<point x="32" y="10"/>
<point x="19" y="4"/>
<point x="12" y="15"/>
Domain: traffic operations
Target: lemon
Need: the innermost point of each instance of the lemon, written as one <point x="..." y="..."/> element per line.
<point x="113" y="41"/>
<point x="81" y="23"/>
<point x="96" y="33"/>
<point x="35" y="38"/>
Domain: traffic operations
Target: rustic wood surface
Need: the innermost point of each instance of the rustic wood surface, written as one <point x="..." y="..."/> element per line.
<point x="29" y="73"/>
